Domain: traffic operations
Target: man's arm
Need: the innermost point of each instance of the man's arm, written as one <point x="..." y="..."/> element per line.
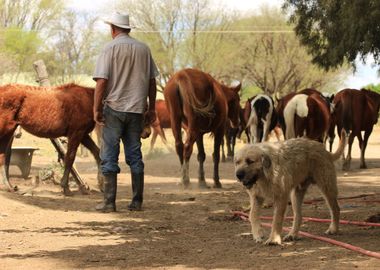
<point x="100" y="88"/>
<point x="152" y="100"/>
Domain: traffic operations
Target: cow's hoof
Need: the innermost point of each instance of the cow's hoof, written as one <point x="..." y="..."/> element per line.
<point x="84" y="190"/>
<point x="203" y="185"/>
<point x="67" y="192"/>
<point x="217" y="185"/>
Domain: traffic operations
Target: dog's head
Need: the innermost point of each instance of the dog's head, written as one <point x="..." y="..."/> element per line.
<point x="252" y="162"/>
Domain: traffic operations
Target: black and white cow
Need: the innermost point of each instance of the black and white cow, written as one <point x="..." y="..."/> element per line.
<point x="262" y="117"/>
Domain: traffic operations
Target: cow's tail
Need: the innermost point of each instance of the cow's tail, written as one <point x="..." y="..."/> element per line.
<point x="347" y="114"/>
<point x="341" y="146"/>
<point x="296" y="106"/>
<point x="188" y="94"/>
<point x="289" y="113"/>
<point x="252" y="118"/>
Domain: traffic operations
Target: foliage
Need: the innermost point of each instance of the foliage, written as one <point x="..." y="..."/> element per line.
<point x="20" y="46"/>
<point x="24" y="24"/>
<point x="248" y="92"/>
<point x="172" y="29"/>
<point x="373" y="87"/>
<point x="183" y="34"/>
<point x="180" y="33"/>
<point x="33" y="15"/>
<point x="271" y="57"/>
<point x="337" y="30"/>
<point x="75" y="48"/>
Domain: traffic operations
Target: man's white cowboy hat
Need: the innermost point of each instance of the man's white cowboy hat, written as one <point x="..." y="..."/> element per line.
<point x="119" y="19"/>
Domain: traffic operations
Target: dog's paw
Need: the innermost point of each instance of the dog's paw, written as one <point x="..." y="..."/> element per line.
<point x="258" y="238"/>
<point x="331" y="231"/>
<point x="273" y="241"/>
<point x="290" y="237"/>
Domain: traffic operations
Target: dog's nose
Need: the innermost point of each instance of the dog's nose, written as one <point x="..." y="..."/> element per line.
<point x="240" y="174"/>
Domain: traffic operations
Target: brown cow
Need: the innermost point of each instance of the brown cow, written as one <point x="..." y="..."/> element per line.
<point x="306" y="113"/>
<point x="231" y="135"/>
<point x="162" y="121"/>
<point x="49" y="112"/>
<point x="198" y="101"/>
<point x="356" y="111"/>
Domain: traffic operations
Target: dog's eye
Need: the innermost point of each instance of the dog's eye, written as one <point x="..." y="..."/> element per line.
<point x="249" y="161"/>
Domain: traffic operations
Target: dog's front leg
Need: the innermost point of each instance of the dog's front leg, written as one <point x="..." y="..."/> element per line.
<point x="279" y="206"/>
<point x="254" y="216"/>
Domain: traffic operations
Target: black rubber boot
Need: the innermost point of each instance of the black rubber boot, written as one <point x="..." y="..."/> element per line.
<point x="110" y="188"/>
<point x="138" y="190"/>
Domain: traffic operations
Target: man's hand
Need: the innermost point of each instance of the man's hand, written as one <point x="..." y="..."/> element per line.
<point x="151" y="116"/>
<point x="99" y="118"/>
<point x="98" y="101"/>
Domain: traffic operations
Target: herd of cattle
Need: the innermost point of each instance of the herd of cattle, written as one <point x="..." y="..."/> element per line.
<point x="197" y="103"/>
<point x="306" y="113"/>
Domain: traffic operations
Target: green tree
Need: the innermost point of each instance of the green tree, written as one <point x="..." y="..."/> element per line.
<point x="201" y="35"/>
<point x="174" y="31"/>
<point x="268" y="54"/>
<point x="75" y="47"/>
<point x="20" y="46"/>
<point x="373" y="87"/>
<point x="336" y="31"/>
<point x="23" y="26"/>
<point x="30" y="14"/>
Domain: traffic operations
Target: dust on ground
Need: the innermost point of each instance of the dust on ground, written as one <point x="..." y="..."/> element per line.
<point x="178" y="229"/>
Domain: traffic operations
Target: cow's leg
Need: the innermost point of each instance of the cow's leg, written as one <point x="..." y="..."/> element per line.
<point x="88" y="142"/>
<point x="72" y="146"/>
<point x="177" y="134"/>
<point x="8" y="156"/>
<point x="161" y="132"/>
<point x="253" y="133"/>
<point x="266" y="124"/>
<point x="232" y="143"/>
<point x="347" y="161"/>
<point x="201" y="159"/>
<point x="222" y="147"/>
<point x="331" y="135"/>
<point x="153" y="140"/>
<point x="331" y="142"/>
<point x="229" y="137"/>
<point x="187" y="151"/>
<point x="5" y="146"/>
<point x="367" y="133"/>
<point x="216" y="157"/>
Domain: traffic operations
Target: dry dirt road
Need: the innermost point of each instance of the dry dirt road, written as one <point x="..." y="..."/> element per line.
<point x="178" y="229"/>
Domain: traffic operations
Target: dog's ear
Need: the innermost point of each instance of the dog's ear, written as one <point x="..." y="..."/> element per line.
<point x="266" y="161"/>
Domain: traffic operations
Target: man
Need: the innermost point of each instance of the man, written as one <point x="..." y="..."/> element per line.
<point x="125" y="76"/>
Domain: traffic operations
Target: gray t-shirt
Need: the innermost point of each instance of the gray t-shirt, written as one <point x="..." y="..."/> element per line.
<point x="128" y="66"/>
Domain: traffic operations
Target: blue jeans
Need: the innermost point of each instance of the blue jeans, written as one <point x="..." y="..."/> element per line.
<point x="127" y="127"/>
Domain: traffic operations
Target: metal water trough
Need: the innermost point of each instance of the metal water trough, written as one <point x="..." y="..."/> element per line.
<point x="22" y="158"/>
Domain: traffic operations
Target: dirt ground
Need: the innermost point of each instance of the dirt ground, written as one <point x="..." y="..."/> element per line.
<point x="178" y="229"/>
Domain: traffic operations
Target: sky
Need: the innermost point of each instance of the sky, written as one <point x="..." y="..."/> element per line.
<point x="364" y="75"/>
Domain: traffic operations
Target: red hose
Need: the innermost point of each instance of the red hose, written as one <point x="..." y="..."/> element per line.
<point x="334" y="242"/>
<point x="340" y="198"/>
<point x="245" y="216"/>
<point x="345" y="222"/>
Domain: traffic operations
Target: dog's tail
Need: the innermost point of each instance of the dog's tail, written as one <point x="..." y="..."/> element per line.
<point x="341" y="146"/>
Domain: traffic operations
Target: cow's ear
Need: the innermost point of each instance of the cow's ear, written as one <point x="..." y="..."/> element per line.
<point x="237" y="87"/>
